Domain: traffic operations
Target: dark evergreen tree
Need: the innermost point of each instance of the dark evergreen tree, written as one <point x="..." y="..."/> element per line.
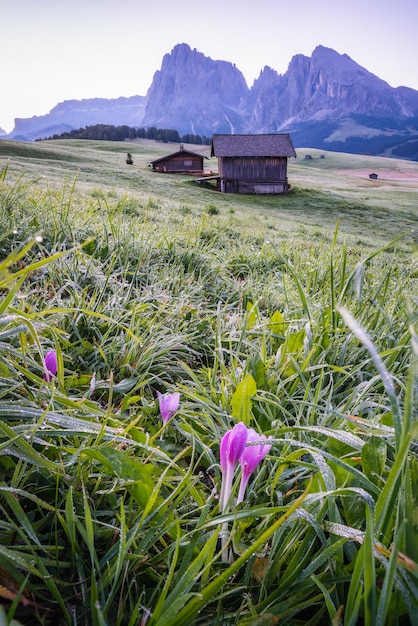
<point x="107" y="132"/>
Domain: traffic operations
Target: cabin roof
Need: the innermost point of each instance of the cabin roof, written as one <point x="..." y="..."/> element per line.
<point x="179" y="152"/>
<point x="262" y="145"/>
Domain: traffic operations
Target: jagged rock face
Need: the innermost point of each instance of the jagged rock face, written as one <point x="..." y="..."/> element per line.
<point x="264" y="102"/>
<point x="326" y="86"/>
<point x="194" y="94"/>
<point x="313" y="99"/>
<point x="335" y="83"/>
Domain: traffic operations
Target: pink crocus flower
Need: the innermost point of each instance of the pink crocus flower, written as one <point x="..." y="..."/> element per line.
<point x="250" y="458"/>
<point x="230" y="451"/>
<point x="51" y="365"/>
<point x="169" y="404"/>
<point x="234" y="449"/>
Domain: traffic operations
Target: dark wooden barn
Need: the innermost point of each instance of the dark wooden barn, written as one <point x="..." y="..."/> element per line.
<point x="182" y="161"/>
<point x="253" y="163"/>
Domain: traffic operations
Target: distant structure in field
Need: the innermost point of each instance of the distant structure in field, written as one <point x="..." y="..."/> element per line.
<point x="253" y="164"/>
<point x="180" y="162"/>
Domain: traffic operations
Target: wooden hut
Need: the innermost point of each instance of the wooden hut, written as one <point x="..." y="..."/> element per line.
<point x="183" y="161"/>
<point x="254" y="164"/>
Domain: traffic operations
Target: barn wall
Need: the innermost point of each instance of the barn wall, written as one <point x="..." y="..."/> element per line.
<point x="266" y="169"/>
<point x="181" y="163"/>
<point x="253" y="175"/>
<point x="257" y="188"/>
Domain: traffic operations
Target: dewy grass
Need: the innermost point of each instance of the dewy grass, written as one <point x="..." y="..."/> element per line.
<point x="306" y="336"/>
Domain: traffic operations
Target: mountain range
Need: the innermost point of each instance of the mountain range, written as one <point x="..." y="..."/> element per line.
<point x="73" y="114"/>
<point x="325" y="101"/>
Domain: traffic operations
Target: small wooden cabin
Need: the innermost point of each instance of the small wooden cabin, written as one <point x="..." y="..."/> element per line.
<point x="253" y="164"/>
<point x="183" y="161"/>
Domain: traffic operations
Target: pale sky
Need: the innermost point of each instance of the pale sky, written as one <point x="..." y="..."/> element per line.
<point x="55" y="50"/>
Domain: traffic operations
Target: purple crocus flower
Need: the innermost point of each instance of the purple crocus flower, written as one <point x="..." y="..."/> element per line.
<point x="231" y="449"/>
<point x="51" y="366"/>
<point x="234" y="449"/>
<point x="250" y="458"/>
<point x="169" y="404"/>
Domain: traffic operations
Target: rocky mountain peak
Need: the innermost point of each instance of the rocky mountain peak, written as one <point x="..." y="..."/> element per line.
<point x="267" y="76"/>
<point x="191" y="86"/>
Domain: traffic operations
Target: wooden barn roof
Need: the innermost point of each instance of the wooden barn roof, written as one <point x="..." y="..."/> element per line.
<point x="253" y="146"/>
<point x="178" y="152"/>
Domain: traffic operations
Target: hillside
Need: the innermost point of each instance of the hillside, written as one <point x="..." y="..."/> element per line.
<point x="327" y="189"/>
<point x="208" y="401"/>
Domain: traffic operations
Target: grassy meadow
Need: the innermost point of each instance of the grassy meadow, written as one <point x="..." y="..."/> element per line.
<point x="294" y="315"/>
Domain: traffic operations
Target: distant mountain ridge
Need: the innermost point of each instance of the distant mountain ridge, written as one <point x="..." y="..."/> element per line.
<point x="72" y="114"/>
<point x="326" y="101"/>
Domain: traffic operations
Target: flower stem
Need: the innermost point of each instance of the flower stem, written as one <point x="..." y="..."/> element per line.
<point x="242" y="488"/>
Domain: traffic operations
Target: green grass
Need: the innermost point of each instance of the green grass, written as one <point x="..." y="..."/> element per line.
<point x="296" y="315"/>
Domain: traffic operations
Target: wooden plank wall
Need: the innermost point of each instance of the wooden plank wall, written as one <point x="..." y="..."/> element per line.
<point x="180" y="163"/>
<point x="254" y="168"/>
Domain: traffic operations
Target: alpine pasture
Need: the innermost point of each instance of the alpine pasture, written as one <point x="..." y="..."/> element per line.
<point x="171" y="317"/>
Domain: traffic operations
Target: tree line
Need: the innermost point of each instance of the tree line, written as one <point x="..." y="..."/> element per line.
<point x="107" y="132"/>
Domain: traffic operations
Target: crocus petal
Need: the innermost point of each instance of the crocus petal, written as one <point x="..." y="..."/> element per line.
<point x="242" y="487"/>
<point x="51" y="365"/>
<point x="223" y="448"/>
<point x="169" y="404"/>
<point x="254" y="454"/>
<point x="250" y="458"/>
<point x="236" y="443"/>
<point x="231" y="448"/>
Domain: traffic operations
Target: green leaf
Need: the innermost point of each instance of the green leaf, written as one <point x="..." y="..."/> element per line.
<point x="373" y="457"/>
<point x="137" y="476"/>
<point x="252" y="315"/>
<point x="276" y="323"/>
<point x="241" y="399"/>
<point x="264" y="619"/>
<point x="386" y="377"/>
<point x="294" y="341"/>
<point x="258" y="369"/>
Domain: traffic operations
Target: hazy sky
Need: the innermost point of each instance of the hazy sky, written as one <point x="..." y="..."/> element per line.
<point x="55" y="50"/>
